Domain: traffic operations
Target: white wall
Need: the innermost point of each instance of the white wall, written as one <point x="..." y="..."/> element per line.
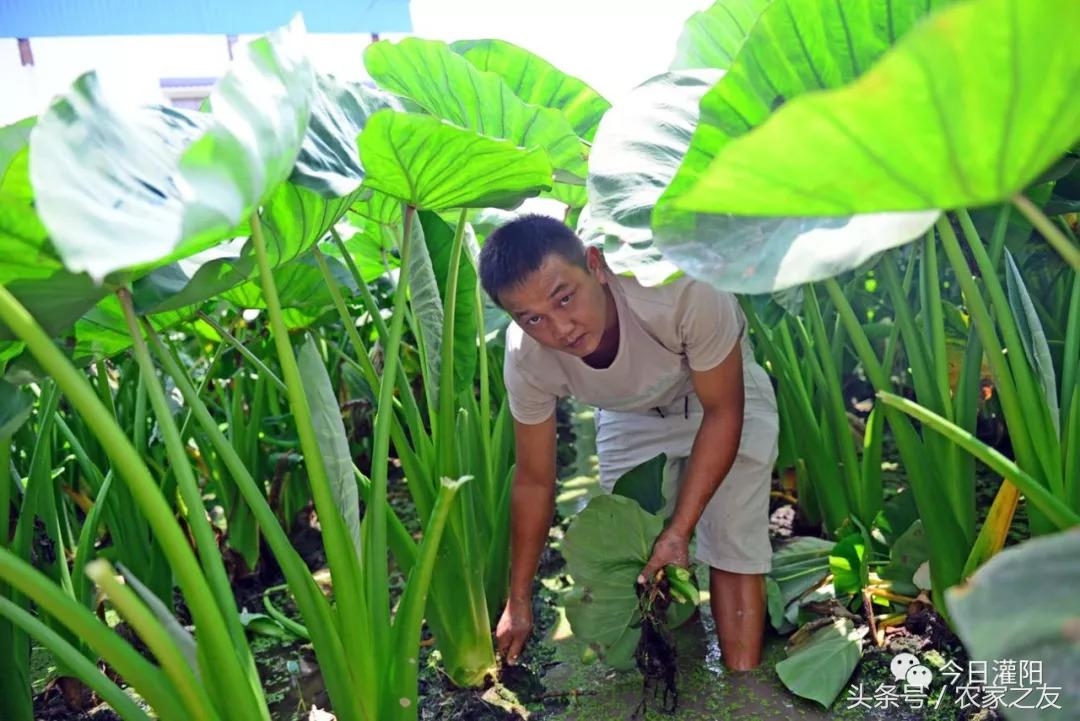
<point x="612" y="45"/>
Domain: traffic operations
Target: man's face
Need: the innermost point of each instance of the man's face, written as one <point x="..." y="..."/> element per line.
<point x="561" y="305"/>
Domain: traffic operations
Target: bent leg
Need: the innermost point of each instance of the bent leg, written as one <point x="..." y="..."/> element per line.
<point x="738" y="606"/>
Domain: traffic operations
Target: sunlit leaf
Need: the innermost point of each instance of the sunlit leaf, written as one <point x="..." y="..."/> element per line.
<point x="795" y="47"/>
<point x="432" y="165"/>
<point x="967" y="110"/>
<point x="117" y="188"/>
<point x="713" y="37"/>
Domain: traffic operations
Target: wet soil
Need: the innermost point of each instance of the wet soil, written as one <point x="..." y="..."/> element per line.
<point x="551" y="680"/>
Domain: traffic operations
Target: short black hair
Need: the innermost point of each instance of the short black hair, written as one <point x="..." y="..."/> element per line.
<point x="517" y="249"/>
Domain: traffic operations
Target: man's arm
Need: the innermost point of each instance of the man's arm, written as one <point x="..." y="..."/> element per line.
<point x="721" y="393"/>
<point x="531" y="506"/>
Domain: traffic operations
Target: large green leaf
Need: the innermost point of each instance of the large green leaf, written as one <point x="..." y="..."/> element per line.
<point x="820" y="668"/>
<point x="1022" y="605"/>
<point x="31" y="270"/>
<point x="450" y="87"/>
<point x="644" y="484"/>
<point x="23" y="239"/>
<point x="324" y="183"/>
<point x="369" y="243"/>
<point x="194" y="279"/>
<point x="439" y="238"/>
<point x="968" y="109"/>
<point x="637" y="150"/>
<point x="330" y="434"/>
<point x="799" y="565"/>
<point x="795" y="47"/>
<point x="604" y="604"/>
<point x="300" y="284"/>
<point x="329" y="161"/>
<point x="117" y="188"/>
<point x="102" y="331"/>
<point x="432" y="165"/>
<point x="538" y="82"/>
<point x="713" y="37"/>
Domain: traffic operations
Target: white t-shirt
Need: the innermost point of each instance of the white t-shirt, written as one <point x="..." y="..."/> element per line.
<point x="664" y="332"/>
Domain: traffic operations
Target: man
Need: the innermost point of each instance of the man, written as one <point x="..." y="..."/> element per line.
<point x="669" y="370"/>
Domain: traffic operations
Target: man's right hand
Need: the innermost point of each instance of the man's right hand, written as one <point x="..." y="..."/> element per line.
<point x="513" y="629"/>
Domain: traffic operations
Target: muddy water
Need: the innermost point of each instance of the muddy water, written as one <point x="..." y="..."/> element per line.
<point x="707" y="690"/>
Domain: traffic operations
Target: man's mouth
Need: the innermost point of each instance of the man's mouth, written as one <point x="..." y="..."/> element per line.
<point x="576" y="343"/>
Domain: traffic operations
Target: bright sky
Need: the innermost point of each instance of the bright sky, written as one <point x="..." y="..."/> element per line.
<point x="612" y="45"/>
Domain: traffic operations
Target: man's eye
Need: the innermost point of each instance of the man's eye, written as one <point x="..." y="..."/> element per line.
<point x="534" y="320"/>
<point x="566" y="299"/>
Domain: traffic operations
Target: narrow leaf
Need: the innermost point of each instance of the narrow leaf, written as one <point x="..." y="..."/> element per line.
<point x="1032" y="336"/>
<point x="330" y="435"/>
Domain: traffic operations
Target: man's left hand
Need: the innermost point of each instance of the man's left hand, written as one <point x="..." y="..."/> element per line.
<point x="670" y="548"/>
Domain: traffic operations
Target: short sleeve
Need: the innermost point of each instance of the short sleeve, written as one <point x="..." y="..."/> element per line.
<point x="528" y="403"/>
<point x="710" y="323"/>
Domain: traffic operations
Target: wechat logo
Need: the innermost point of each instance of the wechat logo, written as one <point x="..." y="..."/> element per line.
<point x="906" y="668"/>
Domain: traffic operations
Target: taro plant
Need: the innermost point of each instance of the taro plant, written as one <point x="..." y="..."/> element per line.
<point x="223" y="173"/>
<point x="626" y="624"/>
<point x="501" y="123"/>
<point x="1009" y="158"/>
<point x="769" y="235"/>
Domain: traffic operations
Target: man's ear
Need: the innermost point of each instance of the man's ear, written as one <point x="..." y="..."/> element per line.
<point x="594" y="261"/>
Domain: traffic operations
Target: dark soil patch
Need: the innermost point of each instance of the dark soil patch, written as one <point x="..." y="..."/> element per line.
<point x="67" y="699"/>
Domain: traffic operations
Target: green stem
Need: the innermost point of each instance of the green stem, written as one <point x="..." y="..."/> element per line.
<point x="408" y="400"/>
<point x="401" y="543"/>
<point x="287" y="623"/>
<point x="857" y="496"/>
<point x="406" y="631"/>
<point x="157" y="640"/>
<point x="143" y="676"/>
<point x="205" y="541"/>
<point x="309" y="599"/>
<point x="948" y="546"/>
<point x="447" y="416"/>
<point x="353" y="606"/>
<point x="931" y="291"/>
<point x="87" y="538"/>
<point x="5" y="490"/>
<point x="1061" y="515"/>
<point x="1068" y="250"/>
<point x="1036" y="422"/>
<point x="361" y="285"/>
<point x="69" y="657"/>
<point x="243" y="350"/>
<point x="378" y="589"/>
<point x="992" y="348"/>
<point x="485" y="403"/>
<point x="229" y="677"/>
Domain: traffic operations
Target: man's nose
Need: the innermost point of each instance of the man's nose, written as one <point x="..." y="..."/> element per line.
<point x="564" y="328"/>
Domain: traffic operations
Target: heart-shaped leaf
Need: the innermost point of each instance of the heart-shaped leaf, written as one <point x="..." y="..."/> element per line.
<point x="637" y="150"/>
<point x="830" y="44"/>
<point x="1022" y="605"/>
<point x="117" y="188"/>
<point x="821" y="667"/>
<point x="450" y="87"/>
<point x="538" y="82"/>
<point x="713" y="37"/>
<point x="604" y="604"/>
<point x="966" y="110"/>
<point x="433" y="165"/>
